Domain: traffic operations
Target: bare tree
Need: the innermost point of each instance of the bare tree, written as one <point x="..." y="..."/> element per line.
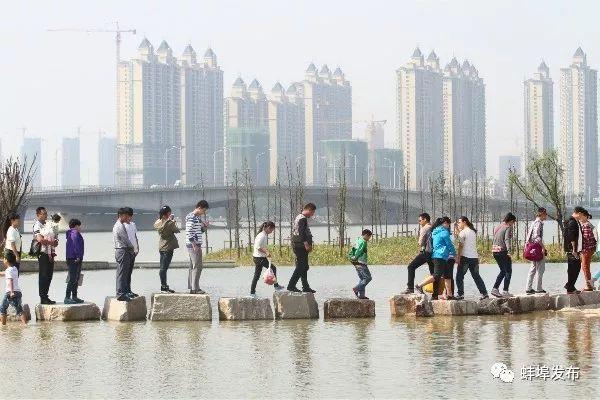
<point x="15" y="185"/>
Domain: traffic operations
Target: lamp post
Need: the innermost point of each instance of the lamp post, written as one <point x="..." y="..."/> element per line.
<point x="167" y="162"/>
<point x="215" y="164"/>
<point x="355" y="162"/>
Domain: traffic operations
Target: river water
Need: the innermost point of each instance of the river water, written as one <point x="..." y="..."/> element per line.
<point x="385" y="357"/>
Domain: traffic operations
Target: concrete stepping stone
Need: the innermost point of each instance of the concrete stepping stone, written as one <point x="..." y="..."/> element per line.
<point x="293" y="305"/>
<point x="454" y="307"/>
<point x="405" y="304"/>
<point x="115" y="310"/>
<point x="67" y="312"/>
<point x="348" y="308"/>
<point x="180" y="307"/>
<point x="12" y="317"/>
<point x="244" y="308"/>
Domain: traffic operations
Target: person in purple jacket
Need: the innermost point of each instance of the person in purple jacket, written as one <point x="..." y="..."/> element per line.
<point x="74" y="260"/>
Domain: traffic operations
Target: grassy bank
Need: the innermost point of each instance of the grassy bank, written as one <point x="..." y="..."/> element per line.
<point x="389" y="251"/>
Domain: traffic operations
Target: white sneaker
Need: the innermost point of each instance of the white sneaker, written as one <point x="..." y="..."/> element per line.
<point x="495" y="292"/>
<point x="253" y="295"/>
<point x="506" y="294"/>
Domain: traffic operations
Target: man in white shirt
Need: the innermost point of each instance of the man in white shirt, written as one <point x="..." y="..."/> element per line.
<point x="42" y="251"/>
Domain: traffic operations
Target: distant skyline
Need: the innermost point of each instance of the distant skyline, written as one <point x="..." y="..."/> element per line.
<point x="56" y="81"/>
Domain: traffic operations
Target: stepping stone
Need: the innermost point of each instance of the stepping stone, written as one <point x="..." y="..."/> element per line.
<point x="589" y="298"/>
<point x="244" y="308"/>
<point x="424" y="308"/>
<point x="348" y="308"/>
<point x="180" y="307"/>
<point x="560" y="301"/>
<point x="454" y="307"/>
<point x="293" y="305"/>
<point x="115" y="310"/>
<point x="404" y="304"/>
<point x="67" y="312"/>
<point x="12" y="317"/>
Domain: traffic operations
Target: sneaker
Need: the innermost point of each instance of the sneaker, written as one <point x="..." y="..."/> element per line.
<point x="505" y="293"/>
<point x="496" y="293"/>
<point x="541" y="291"/>
<point x="459" y="297"/>
<point x="200" y="291"/>
<point x="408" y="291"/>
<point x="124" y="297"/>
<point x="530" y="291"/>
<point x="355" y="290"/>
<point x="166" y="289"/>
<point x="363" y="298"/>
<point x="70" y="301"/>
<point x="78" y="300"/>
<point x="293" y="289"/>
<point x="193" y="291"/>
<point x="419" y="289"/>
<point x="253" y="295"/>
<point x="484" y="296"/>
<point x="47" y="301"/>
<point x="309" y="290"/>
<point x="133" y="295"/>
<point x="277" y="286"/>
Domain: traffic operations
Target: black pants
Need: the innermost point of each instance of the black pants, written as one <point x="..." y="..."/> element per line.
<point x="441" y="269"/>
<point x="45" y="274"/>
<point x="573" y="268"/>
<point x="301" y="270"/>
<point x="125" y="261"/>
<point x="165" y="261"/>
<point x="419" y="260"/>
<point x="469" y="264"/>
<point x="74" y="272"/>
<point x="260" y="263"/>
<point x="505" y="264"/>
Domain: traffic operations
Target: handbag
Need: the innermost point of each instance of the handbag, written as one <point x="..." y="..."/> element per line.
<point x="533" y="251"/>
<point x="35" y="248"/>
<point x="270" y="276"/>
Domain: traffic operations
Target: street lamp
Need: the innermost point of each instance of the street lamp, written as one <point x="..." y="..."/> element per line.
<point x="167" y="162"/>
<point x="354" y="155"/>
<point x="392" y="164"/>
<point x="215" y="164"/>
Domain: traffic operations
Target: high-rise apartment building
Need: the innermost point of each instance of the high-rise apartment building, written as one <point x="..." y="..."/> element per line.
<point x="30" y="150"/>
<point x="149" y="137"/>
<point x="539" y="113"/>
<point x="246" y="132"/>
<point x="71" y="162"/>
<point x="107" y="160"/>
<point x="419" y="91"/>
<point x="579" y="127"/>
<point x="327" y="101"/>
<point x="201" y="119"/>
<point x="286" y="131"/>
<point x="463" y="121"/>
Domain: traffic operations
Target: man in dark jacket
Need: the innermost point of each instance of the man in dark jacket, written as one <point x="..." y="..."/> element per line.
<point x="302" y="243"/>
<point x="573" y="242"/>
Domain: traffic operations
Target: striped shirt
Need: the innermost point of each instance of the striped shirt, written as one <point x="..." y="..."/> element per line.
<point x="193" y="229"/>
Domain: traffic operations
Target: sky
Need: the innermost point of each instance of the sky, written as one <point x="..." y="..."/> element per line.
<point x="51" y="83"/>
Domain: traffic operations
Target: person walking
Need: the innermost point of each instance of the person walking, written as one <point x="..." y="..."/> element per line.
<point x="194" y="228"/>
<point x="358" y="258"/>
<point x="302" y="245"/>
<point x="12" y="293"/>
<point x="468" y="258"/>
<point x="41" y="247"/>
<point x="75" y="250"/>
<point x="424" y="256"/>
<point x="261" y="256"/>
<point x="536" y="235"/>
<point x="573" y="245"/>
<point x="13" y="242"/>
<point x="588" y="249"/>
<point x="442" y="247"/>
<point x="124" y="254"/>
<point x="166" y="228"/>
<point x="501" y="248"/>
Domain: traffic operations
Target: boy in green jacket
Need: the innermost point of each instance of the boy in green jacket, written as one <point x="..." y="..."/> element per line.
<point x="358" y="257"/>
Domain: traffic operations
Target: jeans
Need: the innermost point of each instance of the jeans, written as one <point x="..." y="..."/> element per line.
<point x="259" y="264"/>
<point x="45" y="274"/>
<point x="505" y="263"/>
<point x="165" y="261"/>
<point x="469" y="264"/>
<point x="15" y="301"/>
<point x="537" y="267"/>
<point x="125" y="260"/>
<point x="364" y="276"/>
<point x="301" y="270"/>
<point x="74" y="273"/>
<point x="195" y="268"/>
<point x="419" y="260"/>
<point x="441" y="269"/>
<point x="573" y="268"/>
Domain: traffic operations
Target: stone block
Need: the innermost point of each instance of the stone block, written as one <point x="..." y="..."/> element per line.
<point x="541" y="302"/>
<point x="590" y="298"/>
<point x="404" y="304"/>
<point x="512" y="305"/>
<point x="293" y="305"/>
<point x="424" y="308"/>
<point x="349" y="308"/>
<point x="454" y="307"/>
<point x="180" y="307"/>
<point x="115" y="310"/>
<point x="244" y="308"/>
<point x="67" y="312"/>
<point x="526" y="303"/>
<point x="560" y="301"/>
<point x="12" y="317"/>
<point x="491" y="306"/>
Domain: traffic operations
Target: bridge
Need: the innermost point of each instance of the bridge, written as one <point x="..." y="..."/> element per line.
<point x="97" y="206"/>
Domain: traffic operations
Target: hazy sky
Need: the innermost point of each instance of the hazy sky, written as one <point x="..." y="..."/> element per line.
<point x="53" y="82"/>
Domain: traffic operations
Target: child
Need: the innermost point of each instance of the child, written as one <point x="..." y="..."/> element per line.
<point x="51" y="232"/>
<point x="261" y="256"/>
<point x="75" y="248"/>
<point x="13" y="291"/>
<point x="358" y="257"/>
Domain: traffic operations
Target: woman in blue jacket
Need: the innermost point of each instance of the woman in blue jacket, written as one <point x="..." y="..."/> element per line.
<point x="442" y="248"/>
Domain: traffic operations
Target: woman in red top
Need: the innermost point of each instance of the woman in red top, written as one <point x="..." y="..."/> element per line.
<point x="588" y="249"/>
